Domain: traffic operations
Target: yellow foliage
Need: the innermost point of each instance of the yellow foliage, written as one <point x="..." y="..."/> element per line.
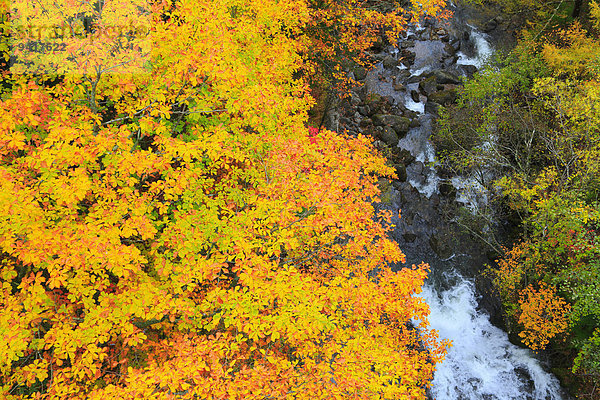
<point x="172" y="229"/>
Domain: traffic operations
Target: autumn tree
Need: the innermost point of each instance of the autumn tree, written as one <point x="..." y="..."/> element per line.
<point x="169" y="228"/>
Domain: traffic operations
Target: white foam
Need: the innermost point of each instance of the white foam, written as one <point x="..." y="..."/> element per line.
<point x="412" y="105"/>
<point x="483" y="51"/>
<point x="470" y="192"/>
<point x="482" y="363"/>
<point x="428" y="187"/>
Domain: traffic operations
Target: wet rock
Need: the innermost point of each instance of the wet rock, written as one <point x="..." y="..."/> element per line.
<point x="390" y="62"/>
<point x="401" y="74"/>
<point x="450" y="61"/>
<point x="360" y="73"/>
<point x="415" y="96"/>
<point x="407" y="55"/>
<point x="398" y="123"/>
<point x="409" y="237"/>
<point x="364" y="110"/>
<point x="402" y="156"/>
<point x="489" y="301"/>
<point x="490" y="25"/>
<point x="389" y="136"/>
<point x="469" y="70"/>
<point x="432" y="108"/>
<point x="428" y="85"/>
<point x="441" y="244"/>
<point x="418" y="168"/>
<point x="444" y="77"/>
<point x="401" y="172"/>
<point x="415" y="123"/>
<point x="407" y="44"/>
<point x="443" y="97"/>
<point x="397" y="86"/>
<point x="451" y="51"/>
<point x="455" y="43"/>
<point x="414" y="79"/>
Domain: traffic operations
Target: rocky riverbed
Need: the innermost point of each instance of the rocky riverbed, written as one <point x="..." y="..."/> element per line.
<point x="397" y="104"/>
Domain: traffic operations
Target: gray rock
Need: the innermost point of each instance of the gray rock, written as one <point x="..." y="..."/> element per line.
<point x="398" y="87"/>
<point x="364" y="110"/>
<point x="432" y="108"/>
<point x="332" y="120"/>
<point x="443" y="97"/>
<point x="444" y="77"/>
<point x="401" y="74"/>
<point x="450" y="61"/>
<point x="415" y="96"/>
<point x="418" y="167"/>
<point x="409" y="237"/>
<point x="398" y="123"/>
<point x="402" y="156"/>
<point x="360" y="73"/>
<point x="390" y="62"/>
<point x="428" y="85"/>
<point x="401" y="172"/>
<point x="366" y="123"/>
<point x="455" y="43"/>
<point x="414" y="79"/>
<point x="407" y="44"/>
<point x="389" y="136"/>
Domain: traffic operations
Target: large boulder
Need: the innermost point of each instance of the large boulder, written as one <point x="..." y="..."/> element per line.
<point x="401" y="172"/>
<point x="445" y="77"/>
<point x="428" y="85"/>
<point x="360" y="73"/>
<point x="441" y="244"/>
<point x="432" y="107"/>
<point x="443" y="97"/>
<point x="400" y="124"/>
<point x="390" y="62"/>
<point x="389" y="136"/>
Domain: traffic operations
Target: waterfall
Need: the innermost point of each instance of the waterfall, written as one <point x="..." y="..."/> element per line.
<point x="482" y="363"/>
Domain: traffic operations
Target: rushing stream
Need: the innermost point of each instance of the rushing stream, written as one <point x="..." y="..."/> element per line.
<point x="482" y="363"/>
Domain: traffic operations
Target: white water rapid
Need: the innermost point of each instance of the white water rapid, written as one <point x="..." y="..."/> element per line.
<point x="482" y="363"/>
